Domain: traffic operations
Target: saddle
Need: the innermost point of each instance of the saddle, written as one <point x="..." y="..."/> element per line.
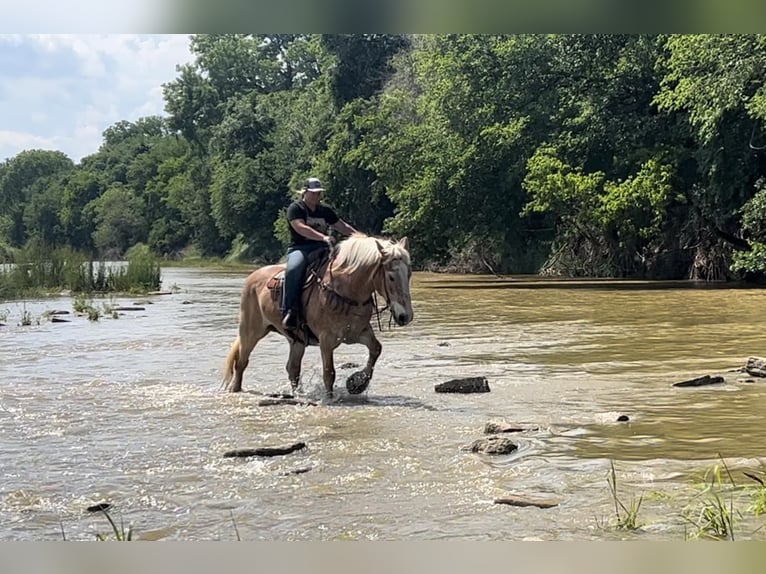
<point x="317" y="265"/>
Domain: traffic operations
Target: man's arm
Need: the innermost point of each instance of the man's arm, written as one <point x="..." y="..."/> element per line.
<point x="342" y="227"/>
<point x="308" y="232"/>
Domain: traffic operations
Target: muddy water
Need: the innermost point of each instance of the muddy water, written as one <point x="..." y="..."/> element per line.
<point x="129" y="411"/>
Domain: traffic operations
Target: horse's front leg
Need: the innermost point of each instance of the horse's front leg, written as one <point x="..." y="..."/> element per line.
<point x="294" y="363"/>
<point x="359" y="381"/>
<point x="369" y="340"/>
<point x="327" y="346"/>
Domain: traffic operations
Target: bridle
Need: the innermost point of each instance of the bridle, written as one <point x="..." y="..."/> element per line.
<point x="346" y="302"/>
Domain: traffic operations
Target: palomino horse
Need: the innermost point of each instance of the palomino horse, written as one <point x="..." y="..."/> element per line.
<point x="337" y="307"/>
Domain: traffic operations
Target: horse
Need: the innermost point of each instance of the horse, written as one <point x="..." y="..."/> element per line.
<point x="337" y="302"/>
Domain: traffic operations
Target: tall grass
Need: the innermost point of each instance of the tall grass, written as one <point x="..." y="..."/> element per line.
<point x="626" y="516"/>
<point x="710" y="515"/>
<point x="36" y="270"/>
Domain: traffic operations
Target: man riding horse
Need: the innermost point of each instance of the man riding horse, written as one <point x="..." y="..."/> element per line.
<point x="309" y="221"/>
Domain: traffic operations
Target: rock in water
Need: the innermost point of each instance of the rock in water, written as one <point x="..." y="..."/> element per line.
<point x="756" y="367"/>
<point x="493" y="445"/>
<point x="467" y="385"/>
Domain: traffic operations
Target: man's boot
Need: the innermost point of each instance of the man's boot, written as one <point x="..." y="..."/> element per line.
<point x="290" y="320"/>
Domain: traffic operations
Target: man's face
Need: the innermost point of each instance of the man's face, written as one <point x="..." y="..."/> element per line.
<point x="312" y="198"/>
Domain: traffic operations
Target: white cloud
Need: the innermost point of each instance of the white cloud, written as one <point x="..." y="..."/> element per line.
<point x="76" y="86"/>
<point x="83" y="16"/>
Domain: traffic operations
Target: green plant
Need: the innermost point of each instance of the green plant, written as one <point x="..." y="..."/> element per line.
<point x="710" y="515"/>
<point x="84" y="305"/>
<point x="81" y="303"/>
<point x="626" y="516"/>
<point x="120" y="534"/>
<point x="110" y="309"/>
<point x="757" y="495"/>
<point x="234" y="524"/>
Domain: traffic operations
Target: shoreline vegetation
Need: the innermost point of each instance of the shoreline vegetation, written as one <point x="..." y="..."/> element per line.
<point x="37" y="271"/>
<point x="40" y="272"/>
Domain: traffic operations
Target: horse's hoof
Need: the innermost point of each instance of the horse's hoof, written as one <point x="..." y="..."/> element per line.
<point x="357" y="383"/>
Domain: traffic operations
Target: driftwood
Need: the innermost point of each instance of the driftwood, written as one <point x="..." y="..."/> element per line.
<point x="59" y="320"/>
<point x="517" y="501"/>
<point x="701" y="381"/>
<point x="300" y="470"/>
<point x="264" y="451"/>
<point x="100" y="507"/>
<point x="271" y="402"/>
<point x="756" y="367"/>
<point x="467" y="385"/>
<point x="125" y="308"/>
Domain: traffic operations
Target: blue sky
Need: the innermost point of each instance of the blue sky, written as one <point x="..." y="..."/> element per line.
<point x="61" y="91"/>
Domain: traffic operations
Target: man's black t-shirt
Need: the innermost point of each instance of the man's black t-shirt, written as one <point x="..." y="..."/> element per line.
<point x="320" y="219"/>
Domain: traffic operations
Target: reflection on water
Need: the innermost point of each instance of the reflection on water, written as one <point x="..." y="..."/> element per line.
<point x="129" y="411"/>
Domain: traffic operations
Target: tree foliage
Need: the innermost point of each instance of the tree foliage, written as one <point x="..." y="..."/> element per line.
<point x="584" y="154"/>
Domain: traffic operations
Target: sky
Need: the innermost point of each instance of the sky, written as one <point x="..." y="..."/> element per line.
<point x="61" y="91"/>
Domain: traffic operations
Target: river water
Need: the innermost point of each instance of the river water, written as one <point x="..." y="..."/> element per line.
<point x="129" y="411"/>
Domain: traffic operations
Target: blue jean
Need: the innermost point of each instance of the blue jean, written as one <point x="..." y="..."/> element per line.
<point x="297" y="260"/>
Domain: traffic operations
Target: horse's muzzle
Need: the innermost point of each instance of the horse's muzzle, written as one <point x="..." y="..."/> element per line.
<point x="402" y="319"/>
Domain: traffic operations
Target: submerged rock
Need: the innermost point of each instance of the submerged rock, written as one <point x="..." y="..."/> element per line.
<point x="466" y="385"/>
<point x="493" y="445"/>
<point x="496" y="427"/>
<point x="756" y="367"/>
<point x="349" y="365"/>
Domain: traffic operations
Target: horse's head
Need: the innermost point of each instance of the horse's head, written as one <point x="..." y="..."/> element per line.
<point x="393" y="281"/>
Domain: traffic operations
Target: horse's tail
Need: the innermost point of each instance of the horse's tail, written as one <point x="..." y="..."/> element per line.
<point x="231" y="361"/>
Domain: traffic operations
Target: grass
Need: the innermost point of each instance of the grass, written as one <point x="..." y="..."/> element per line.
<point x="38" y="271"/>
<point x="757" y="494"/>
<point x="626" y="516"/>
<point x="710" y="515"/>
<point x="120" y="534"/>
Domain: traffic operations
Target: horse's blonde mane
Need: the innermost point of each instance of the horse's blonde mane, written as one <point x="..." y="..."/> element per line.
<point x="363" y="251"/>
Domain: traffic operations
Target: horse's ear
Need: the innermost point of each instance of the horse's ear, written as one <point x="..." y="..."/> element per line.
<point x="405" y="243"/>
<point x="380" y="248"/>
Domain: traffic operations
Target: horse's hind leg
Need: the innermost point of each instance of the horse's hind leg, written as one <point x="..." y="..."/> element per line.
<point x="327" y="346"/>
<point x="251" y="330"/>
<point x="294" y="363"/>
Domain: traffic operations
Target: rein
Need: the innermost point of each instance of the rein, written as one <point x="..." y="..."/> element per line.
<point x="347" y="302"/>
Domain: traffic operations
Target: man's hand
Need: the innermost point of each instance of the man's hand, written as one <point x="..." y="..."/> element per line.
<point x="329" y="241"/>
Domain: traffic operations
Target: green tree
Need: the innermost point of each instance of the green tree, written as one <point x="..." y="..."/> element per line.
<point x="717" y="82"/>
<point x="17" y="179"/>
<point x="119" y="221"/>
<point x="80" y="187"/>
